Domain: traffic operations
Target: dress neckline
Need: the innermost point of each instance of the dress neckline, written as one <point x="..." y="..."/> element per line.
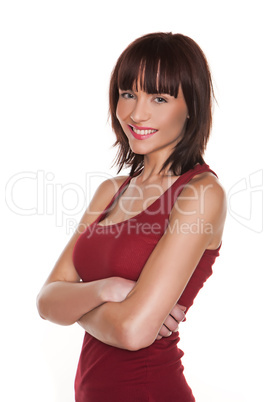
<point x="126" y="183"/>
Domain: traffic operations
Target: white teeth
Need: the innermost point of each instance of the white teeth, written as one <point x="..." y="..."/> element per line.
<point x="143" y="132"/>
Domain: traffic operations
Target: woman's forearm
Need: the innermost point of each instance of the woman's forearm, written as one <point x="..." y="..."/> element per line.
<point x="107" y="324"/>
<point x="65" y="302"/>
<point x="111" y="323"/>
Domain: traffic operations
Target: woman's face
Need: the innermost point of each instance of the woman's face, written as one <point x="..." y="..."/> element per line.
<point x="151" y="122"/>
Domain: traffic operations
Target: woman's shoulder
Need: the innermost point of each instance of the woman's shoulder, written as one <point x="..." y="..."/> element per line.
<point x="203" y="197"/>
<point x="105" y="192"/>
<point x="112" y="185"/>
<point x="201" y="208"/>
<point x="208" y="182"/>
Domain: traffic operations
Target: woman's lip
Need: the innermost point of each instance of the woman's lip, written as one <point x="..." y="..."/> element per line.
<point x="140" y="136"/>
<point x="141" y="128"/>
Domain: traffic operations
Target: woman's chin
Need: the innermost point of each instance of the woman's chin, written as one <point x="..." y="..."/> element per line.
<point x="138" y="147"/>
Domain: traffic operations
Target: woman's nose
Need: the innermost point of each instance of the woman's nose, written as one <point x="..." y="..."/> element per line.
<point x="141" y="111"/>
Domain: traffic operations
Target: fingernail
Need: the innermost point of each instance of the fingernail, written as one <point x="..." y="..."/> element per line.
<point x="183" y="317"/>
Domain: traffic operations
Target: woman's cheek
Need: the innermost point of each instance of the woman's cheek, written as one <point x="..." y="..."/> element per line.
<point x="123" y="110"/>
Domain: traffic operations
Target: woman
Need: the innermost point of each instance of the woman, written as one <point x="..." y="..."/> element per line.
<point x="150" y="238"/>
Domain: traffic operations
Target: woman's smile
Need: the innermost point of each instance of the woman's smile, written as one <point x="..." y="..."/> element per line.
<point x="141" y="133"/>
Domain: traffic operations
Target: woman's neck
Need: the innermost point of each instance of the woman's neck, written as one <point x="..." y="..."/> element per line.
<point x="151" y="171"/>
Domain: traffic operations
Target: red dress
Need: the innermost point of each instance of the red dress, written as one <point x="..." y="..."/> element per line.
<point x="153" y="374"/>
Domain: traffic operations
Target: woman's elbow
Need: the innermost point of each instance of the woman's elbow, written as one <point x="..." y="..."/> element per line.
<point x="42" y="307"/>
<point x="133" y="339"/>
<point x="49" y="311"/>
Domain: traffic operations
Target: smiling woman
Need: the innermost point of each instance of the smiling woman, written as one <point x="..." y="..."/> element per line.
<point x="134" y="272"/>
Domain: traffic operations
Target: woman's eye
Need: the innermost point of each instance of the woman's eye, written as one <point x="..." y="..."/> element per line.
<point x="158" y="99"/>
<point x="126" y="95"/>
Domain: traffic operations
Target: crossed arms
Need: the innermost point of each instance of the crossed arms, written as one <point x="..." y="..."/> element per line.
<point x="123" y="313"/>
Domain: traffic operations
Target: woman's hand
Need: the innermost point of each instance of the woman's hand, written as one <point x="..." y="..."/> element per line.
<point x="172" y="322"/>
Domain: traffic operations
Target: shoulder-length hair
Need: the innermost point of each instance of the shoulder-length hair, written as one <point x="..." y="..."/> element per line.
<point x="163" y="62"/>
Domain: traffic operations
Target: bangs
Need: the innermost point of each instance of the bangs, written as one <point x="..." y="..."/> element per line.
<point x="154" y="68"/>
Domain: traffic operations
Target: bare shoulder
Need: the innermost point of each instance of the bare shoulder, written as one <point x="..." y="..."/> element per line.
<point x="113" y="184"/>
<point x="208" y="183"/>
<point x="205" y="192"/>
<point x="104" y="193"/>
<point x="202" y="199"/>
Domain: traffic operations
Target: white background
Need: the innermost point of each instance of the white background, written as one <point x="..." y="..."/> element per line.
<point x="56" y="60"/>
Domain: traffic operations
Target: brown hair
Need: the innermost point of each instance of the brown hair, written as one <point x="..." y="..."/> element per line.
<point x="180" y="61"/>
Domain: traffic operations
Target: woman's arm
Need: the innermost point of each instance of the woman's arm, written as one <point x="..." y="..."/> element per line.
<point x="135" y="322"/>
<point x="64" y="302"/>
<point x="64" y="299"/>
<point x="171" y="323"/>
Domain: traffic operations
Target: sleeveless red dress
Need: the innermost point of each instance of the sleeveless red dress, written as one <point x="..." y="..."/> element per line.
<point x="153" y="374"/>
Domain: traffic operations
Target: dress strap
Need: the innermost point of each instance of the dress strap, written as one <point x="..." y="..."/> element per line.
<point x="174" y="191"/>
<point x="114" y="198"/>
